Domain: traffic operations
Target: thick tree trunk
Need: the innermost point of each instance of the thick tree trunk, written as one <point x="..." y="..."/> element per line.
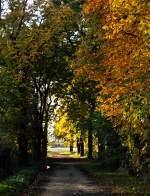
<point x="100" y="149"/>
<point x="37" y="136"/>
<point x="71" y="140"/>
<point x="39" y="139"/>
<point x="71" y="147"/>
<point x="90" y="131"/>
<point x="44" y="145"/>
<point x="36" y="148"/>
<point x="23" y="120"/>
<point x="81" y="147"/>
<point x="39" y="142"/>
<point x="90" y="141"/>
<point x="23" y="148"/>
<point x="22" y="126"/>
<point x="44" y="139"/>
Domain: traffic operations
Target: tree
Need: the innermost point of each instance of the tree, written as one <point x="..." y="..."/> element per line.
<point x="114" y="52"/>
<point x="51" y="80"/>
<point x="81" y="104"/>
<point x="65" y="128"/>
<point x="35" y="53"/>
<point x="13" y="30"/>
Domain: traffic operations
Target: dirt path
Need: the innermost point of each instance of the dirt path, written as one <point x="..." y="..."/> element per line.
<point x="65" y="179"/>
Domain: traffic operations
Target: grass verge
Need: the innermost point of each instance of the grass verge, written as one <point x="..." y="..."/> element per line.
<point x="15" y="184"/>
<point x="119" y="181"/>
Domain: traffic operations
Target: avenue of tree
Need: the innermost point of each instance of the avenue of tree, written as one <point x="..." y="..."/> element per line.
<point x="84" y="65"/>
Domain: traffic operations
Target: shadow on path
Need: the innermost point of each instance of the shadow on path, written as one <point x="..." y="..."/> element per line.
<point x="64" y="178"/>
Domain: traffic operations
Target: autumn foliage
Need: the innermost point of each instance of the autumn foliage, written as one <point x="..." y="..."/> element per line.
<point x="121" y="65"/>
<point x="47" y="49"/>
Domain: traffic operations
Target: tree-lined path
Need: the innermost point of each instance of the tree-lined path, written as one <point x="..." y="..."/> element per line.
<point x="66" y="179"/>
<point x="75" y="74"/>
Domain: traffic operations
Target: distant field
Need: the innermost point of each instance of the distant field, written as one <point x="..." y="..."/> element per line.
<point x="62" y="152"/>
<point x="60" y="149"/>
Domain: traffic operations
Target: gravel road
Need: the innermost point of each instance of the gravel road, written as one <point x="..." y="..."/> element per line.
<point x="66" y="179"/>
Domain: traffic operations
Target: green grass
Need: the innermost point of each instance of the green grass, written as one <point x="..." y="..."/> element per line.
<point x="120" y="181"/>
<point x="13" y="185"/>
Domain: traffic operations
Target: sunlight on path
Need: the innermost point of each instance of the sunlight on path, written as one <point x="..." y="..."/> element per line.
<point x="63" y="153"/>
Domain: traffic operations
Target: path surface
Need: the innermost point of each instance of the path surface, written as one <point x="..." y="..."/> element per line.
<point x="66" y="179"/>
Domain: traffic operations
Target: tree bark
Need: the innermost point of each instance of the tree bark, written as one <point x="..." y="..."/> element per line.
<point x="22" y="127"/>
<point x="44" y="141"/>
<point x="90" y="141"/>
<point x="90" y="130"/>
<point x="36" y="143"/>
<point x="23" y="148"/>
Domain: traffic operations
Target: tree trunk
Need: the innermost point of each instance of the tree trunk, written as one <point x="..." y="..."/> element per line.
<point x="90" y="141"/>
<point x="100" y="149"/>
<point x="39" y="141"/>
<point x="90" y="130"/>
<point x="44" y="139"/>
<point x="36" y="148"/>
<point x="71" y="141"/>
<point x="23" y="148"/>
<point x="44" y="145"/>
<point x="71" y="147"/>
<point x="81" y="147"/>
<point x="37" y="136"/>
<point x="22" y="126"/>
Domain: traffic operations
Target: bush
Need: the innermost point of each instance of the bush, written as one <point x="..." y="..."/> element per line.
<point x="113" y="163"/>
<point x="13" y="185"/>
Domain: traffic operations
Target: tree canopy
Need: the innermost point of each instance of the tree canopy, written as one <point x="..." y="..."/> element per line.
<point x="85" y="64"/>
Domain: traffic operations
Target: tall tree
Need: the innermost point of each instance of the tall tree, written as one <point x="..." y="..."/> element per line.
<point x="119" y="63"/>
<point x="81" y="105"/>
<point x="35" y="53"/>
